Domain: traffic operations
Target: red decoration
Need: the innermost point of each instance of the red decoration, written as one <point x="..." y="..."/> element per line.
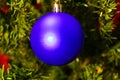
<point x="117" y="1"/>
<point x="117" y="8"/>
<point x="4" y="9"/>
<point x="116" y="18"/>
<point x="39" y="6"/>
<point x="4" y="61"/>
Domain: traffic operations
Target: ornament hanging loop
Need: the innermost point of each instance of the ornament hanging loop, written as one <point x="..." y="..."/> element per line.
<point x="57" y="7"/>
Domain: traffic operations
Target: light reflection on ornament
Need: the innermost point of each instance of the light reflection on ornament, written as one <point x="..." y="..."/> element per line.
<point x="50" y="40"/>
<point x="51" y="21"/>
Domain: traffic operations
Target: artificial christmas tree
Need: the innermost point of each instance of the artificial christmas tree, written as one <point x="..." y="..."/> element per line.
<point x="99" y="59"/>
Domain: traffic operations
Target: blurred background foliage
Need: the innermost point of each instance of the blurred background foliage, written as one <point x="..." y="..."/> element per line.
<point x="99" y="60"/>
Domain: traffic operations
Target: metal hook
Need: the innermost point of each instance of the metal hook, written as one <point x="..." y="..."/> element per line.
<point x="57" y="7"/>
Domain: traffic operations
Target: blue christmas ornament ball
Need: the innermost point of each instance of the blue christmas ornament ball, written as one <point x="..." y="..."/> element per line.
<point x="56" y="38"/>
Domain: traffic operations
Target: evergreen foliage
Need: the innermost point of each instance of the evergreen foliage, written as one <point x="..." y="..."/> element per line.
<point x="99" y="60"/>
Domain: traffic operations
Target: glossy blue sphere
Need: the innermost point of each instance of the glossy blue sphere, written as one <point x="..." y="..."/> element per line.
<point x="56" y="38"/>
